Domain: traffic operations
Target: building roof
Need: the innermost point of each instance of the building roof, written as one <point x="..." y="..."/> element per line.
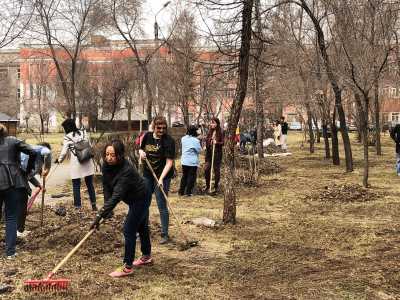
<point x="7" y="118"/>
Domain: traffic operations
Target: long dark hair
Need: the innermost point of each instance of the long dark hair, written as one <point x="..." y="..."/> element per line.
<point x="119" y="149"/>
<point x="192" y="131"/>
<point x="3" y="132"/>
<point x="218" y="131"/>
<point x="70" y="126"/>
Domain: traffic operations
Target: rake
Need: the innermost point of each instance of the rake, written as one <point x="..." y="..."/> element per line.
<point x="49" y="284"/>
<point x="188" y="243"/>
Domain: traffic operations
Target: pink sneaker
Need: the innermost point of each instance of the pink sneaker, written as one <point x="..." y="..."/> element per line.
<point x="121" y="272"/>
<point x="144" y="260"/>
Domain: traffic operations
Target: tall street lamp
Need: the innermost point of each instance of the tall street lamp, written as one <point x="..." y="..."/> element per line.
<point x="155" y="20"/>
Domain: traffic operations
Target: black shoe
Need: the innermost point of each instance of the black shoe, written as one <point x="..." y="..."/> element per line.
<point x="94" y="207"/>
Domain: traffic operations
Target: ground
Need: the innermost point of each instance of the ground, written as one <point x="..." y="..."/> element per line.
<point x="308" y="232"/>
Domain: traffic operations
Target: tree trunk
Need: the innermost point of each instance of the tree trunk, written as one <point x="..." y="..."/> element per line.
<point x="310" y="128"/>
<point x="326" y="140"/>
<point x="335" y="141"/>
<point x="377" y="118"/>
<point x="149" y="94"/>
<point x="317" y="129"/>
<point x="129" y="114"/>
<point x="334" y="83"/>
<point x="229" y="214"/>
<point x="364" y="109"/>
<point x="258" y="72"/>
<point x="345" y="136"/>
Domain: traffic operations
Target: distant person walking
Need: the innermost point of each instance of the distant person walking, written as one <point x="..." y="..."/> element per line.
<point x="284" y="129"/>
<point x="78" y="170"/>
<point x="190" y="161"/>
<point x="277" y="133"/>
<point x="395" y="135"/>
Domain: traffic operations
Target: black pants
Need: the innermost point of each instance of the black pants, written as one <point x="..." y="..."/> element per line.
<point x="137" y="220"/>
<point x="22" y="211"/>
<point x="188" y="180"/>
<point x="216" y="173"/>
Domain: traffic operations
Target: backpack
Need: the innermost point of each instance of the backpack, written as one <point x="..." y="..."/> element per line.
<point x="82" y="149"/>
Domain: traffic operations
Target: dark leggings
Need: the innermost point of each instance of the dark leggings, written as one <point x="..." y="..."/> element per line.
<point x="76" y="185"/>
<point x="188" y="180"/>
<point x="137" y="220"/>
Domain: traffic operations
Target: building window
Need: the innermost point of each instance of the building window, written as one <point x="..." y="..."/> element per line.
<point x="395" y="117"/>
<point x="3" y="74"/>
<point x="392" y="92"/>
<point x="18" y="73"/>
<point x="18" y="94"/>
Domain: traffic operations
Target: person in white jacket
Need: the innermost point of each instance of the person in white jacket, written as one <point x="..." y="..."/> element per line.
<point x="78" y="170"/>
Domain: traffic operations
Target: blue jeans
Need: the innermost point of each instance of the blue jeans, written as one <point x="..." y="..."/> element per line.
<point x="398" y="163"/>
<point x="137" y="220"/>
<point x="76" y="186"/>
<point x="161" y="202"/>
<point x="10" y="197"/>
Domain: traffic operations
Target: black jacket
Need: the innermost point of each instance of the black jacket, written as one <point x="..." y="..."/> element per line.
<point x="121" y="182"/>
<point x="10" y="172"/>
<point x="395" y="135"/>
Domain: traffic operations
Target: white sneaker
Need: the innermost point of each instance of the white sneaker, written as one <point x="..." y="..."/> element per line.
<point x="11" y="257"/>
<point x="23" y="234"/>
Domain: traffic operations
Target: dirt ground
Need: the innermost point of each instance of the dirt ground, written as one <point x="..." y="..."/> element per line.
<point x="309" y="231"/>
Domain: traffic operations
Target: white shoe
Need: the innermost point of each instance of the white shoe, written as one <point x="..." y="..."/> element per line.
<point x="23" y="234"/>
<point x="11" y="257"/>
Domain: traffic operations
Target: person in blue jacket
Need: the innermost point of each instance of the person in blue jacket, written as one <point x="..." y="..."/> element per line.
<point x="42" y="167"/>
<point x="190" y="161"/>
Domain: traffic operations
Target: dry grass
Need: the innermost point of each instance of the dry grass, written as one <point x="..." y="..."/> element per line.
<point x="285" y="245"/>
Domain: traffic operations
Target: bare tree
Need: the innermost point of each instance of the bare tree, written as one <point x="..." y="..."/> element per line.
<point x="15" y="16"/>
<point x="126" y="19"/>
<point x="314" y="13"/>
<point x="65" y="27"/>
<point x="365" y="32"/>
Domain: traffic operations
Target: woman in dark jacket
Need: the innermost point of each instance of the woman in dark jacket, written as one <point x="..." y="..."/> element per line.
<point x="214" y="136"/>
<point x="121" y="181"/>
<point x="13" y="184"/>
<point x="395" y="135"/>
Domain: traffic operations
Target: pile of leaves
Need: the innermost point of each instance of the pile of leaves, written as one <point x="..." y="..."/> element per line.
<point x="272" y="148"/>
<point x="268" y="167"/>
<point x="344" y="193"/>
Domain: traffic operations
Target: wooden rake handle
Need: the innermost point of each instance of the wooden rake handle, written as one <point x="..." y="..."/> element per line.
<point x="68" y="256"/>
<point x="212" y="166"/>
<point x="178" y="222"/>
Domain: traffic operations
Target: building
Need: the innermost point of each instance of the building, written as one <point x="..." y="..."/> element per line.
<point x="10" y="122"/>
<point x="9" y="82"/>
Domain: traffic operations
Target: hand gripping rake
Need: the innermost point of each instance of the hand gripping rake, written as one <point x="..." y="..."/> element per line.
<point x="188" y="243"/>
<point x="49" y="284"/>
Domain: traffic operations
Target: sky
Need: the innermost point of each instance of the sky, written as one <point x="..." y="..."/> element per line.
<point x="150" y="9"/>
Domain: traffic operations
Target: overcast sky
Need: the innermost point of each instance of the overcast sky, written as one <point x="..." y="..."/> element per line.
<point x="150" y="9"/>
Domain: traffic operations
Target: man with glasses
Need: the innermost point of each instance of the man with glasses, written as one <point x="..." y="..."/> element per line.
<point x="159" y="149"/>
